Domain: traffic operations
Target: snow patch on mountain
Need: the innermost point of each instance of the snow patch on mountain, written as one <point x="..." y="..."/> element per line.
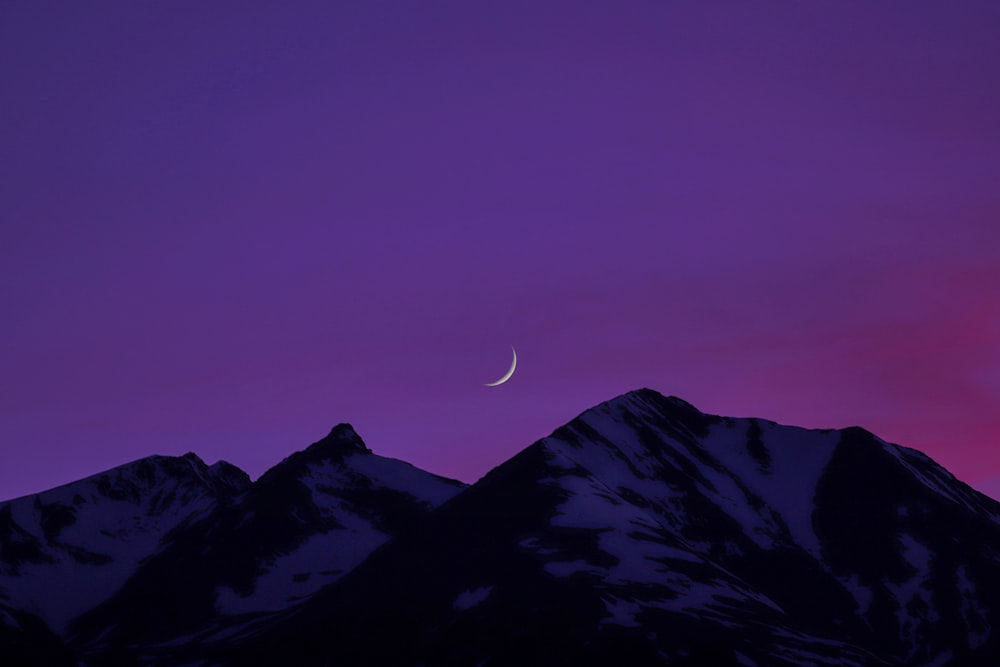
<point x="323" y="557"/>
<point x="862" y="594"/>
<point x="92" y="534"/>
<point x="318" y="561"/>
<point x="927" y="472"/>
<point x="621" y="612"/>
<point x="972" y="615"/>
<point x="760" y="473"/>
<point x="633" y="548"/>
<point x="401" y="476"/>
<point x="567" y="568"/>
<point x="913" y="594"/>
<point x="470" y="598"/>
<point x="637" y="552"/>
<point x="787" y="483"/>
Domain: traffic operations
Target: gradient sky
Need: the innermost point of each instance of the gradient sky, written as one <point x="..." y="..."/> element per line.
<point x="225" y="227"/>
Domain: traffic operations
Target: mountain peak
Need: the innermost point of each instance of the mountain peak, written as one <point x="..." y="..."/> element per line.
<point x="647" y="404"/>
<point x="341" y="442"/>
<point x="156" y="469"/>
<point x="646" y="397"/>
<point x="342" y="438"/>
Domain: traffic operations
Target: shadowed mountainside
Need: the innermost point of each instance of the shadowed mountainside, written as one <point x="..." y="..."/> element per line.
<point x="643" y="532"/>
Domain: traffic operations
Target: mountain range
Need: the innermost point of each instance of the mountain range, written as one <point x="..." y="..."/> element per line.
<point x="643" y="532"/>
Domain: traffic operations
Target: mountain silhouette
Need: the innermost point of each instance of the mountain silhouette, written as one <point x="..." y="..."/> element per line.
<point x="643" y="532"/>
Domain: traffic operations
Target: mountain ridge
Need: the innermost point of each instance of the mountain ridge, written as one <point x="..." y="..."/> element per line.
<point x="636" y="510"/>
<point x="642" y="530"/>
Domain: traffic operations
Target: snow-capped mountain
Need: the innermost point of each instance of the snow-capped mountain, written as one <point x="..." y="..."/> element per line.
<point x="65" y="550"/>
<point x="643" y="532"/>
<point x="301" y="526"/>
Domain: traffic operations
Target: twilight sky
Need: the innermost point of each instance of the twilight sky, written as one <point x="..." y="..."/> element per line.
<point x="225" y="227"/>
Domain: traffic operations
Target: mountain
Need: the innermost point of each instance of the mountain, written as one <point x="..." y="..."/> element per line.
<point x="301" y="526"/>
<point x="65" y="550"/>
<point x="643" y="532"/>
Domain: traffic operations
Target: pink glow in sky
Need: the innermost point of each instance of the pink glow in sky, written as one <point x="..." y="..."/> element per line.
<point x="225" y="227"/>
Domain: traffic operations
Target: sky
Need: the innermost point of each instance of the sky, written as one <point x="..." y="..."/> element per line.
<point x="226" y="227"/>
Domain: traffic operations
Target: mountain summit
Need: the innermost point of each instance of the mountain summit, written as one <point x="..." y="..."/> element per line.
<point x="65" y="550"/>
<point x="643" y="532"/>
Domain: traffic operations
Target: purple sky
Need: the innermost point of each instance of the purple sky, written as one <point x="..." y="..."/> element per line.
<point x="225" y="227"/>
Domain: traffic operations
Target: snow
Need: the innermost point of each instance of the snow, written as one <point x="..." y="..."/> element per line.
<point x="844" y="655"/>
<point x="123" y="530"/>
<point x="643" y="552"/>
<point x="324" y="557"/>
<point x="715" y="600"/>
<point x="621" y="612"/>
<point x="401" y="476"/>
<point x="567" y="568"/>
<point x="972" y="615"/>
<point x="591" y="505"/>
<point x="916" y="553"/>
<point x="534" y="544"/>
<point x="614" y="452"/>
<point x="907" y="593"/>
<point x="929" y="473"/>
<point x="862" y="594"/>
<point x="613" y="469"/>
<point x="472" y="597"/>
<point x="788" y="483"/>
<point x="735" y="502"/>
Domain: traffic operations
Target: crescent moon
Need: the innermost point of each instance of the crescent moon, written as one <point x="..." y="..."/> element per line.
<point x="510" y="371"/>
